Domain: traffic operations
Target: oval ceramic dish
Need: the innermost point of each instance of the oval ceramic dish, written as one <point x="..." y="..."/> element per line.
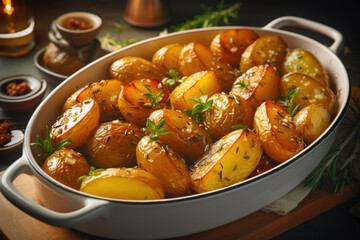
<point x="167" y="218"/>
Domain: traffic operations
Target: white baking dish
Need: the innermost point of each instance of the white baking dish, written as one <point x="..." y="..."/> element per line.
<point x="173" y="217"/>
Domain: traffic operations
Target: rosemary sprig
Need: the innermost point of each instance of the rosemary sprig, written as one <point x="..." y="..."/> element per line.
<point x="201" y="106"/>
<point x="336" y="166"/>
<point x="155" y="98"/>
<point x="241" y="127"/>
<point x="92" y="172"/>
<point x="174" y="79"/>
<point x="288" y="101"/>
<point x="211" y="17"/>
<point x="154" y="130"/>
<point x="46" y="144"/>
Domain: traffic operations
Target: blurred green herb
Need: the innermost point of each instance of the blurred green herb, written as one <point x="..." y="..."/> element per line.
<point x="241" y="84"/>
<point x="288" y="101"/>
<point x="46" y="144"/>
<point x="241" y="127"/>
<point x="92" y="172"/>
<point x="154" y="130"/>
<point x="201" y="106"/>
<point x="211" y="17"/>
<point x="174" y="79"/>
<point x="339" y="166"/>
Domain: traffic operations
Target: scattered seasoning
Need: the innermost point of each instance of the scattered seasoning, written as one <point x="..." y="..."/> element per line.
<point x="236" y="166"/>
<point x="246" y="157"/>
<point x="107" y="139"/>
<point x="253" y="145"/>
<point x="298" y="67"/>
<point x="237" y="149"/>
<point x="279" y="131"/>
<point x="126" y="132"/>
<point x="221" y="165"/>
<point x="221" y="175"/>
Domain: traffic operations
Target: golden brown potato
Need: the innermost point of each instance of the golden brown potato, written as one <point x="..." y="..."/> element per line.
<point x="230" y="44"/>
<point x="167" y="57"/>
<point x="113" y="144"/>
<point x="312" y="121"/>
<point x="225" y="112"/>
<point x="66" y="166"/>
<point x="135" y="107"/>
<point x="269" y="49"/>
<point x="311" y="91"/>
<point x="128" y="69"/>
<point x="303" y="61"/>
<point x="76" y="123"/>
<point x="186" y="137"/>
<point x="277" y="132"/>
<point x="123" y="183"/>
<point x="166" y="165"/>
<point x="196" y="57"/>
<point x="195" y="86"/>
<point x="105" y="93"/>
<point x="229" y="160"/>
<point x="258" y="84"/>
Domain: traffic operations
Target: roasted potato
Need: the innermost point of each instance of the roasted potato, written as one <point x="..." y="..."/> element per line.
<point x="277" y="132"/>
<point x="128" y="69"/>
<point x="66" y="166"/>
<point x="135" y="106"/>
<point x="269" y="49"/>
<point x="230" y="44"/>
<point x="311" y="91"/>
<point x="166" y="165"/>
<point x="113" y="144"/>
<point x="195" y="86"/>
<point x="105" y="93"/>
<point x="196" y="57"/>
<point x="303" y="61"/>
<point x="258" y="84"/>
<point x="123" y="183"/>
<point x="225" y="112"/>
<point x="167" y="57"/>
<point x="76" y="123"/>
<point x="186" y="137"/>
<point x="312" y="121"/>
<point x="229" y="160"/>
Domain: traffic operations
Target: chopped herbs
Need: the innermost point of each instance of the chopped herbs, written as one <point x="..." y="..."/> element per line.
<point x="241" y="84"/>
<point x="288" y="101"/>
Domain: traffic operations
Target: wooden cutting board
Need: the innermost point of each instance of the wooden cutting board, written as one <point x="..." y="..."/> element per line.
<point x="17" y="225"/>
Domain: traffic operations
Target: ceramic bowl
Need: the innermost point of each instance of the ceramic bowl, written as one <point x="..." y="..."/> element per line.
<point x="24" y="102"/>
<point x="79" y="37"/>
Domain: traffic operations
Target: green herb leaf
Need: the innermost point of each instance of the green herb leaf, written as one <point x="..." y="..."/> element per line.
<point x="240" y="127"/>
<point x="288" y="101"/>
<point x="174" y="80"/>
<point x="91" y="173"/>
<point x="155" y="98"/>
<point x="201" y="106"/>
<point x="154" y="130"/>
<point x="241" y="84"/>
<point x="211" y="17"/>
<point x="46" y="144"/>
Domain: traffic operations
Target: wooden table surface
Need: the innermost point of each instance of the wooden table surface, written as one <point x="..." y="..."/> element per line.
<point x="337" y="222"/>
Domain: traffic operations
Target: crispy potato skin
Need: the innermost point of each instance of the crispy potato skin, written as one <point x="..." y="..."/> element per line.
<point x="266" y="49"/>
<point x="303" y="61"/>
<point x="66" y="166"/>
<point x="225" y="112"/>
<point x="123" y="183"/>
<point x="167" y="57"/>
<point x="76" y="123"/>
<point x="113" y="144"/>
<point x="105" y="93"/>
<point x="230" y="44"/>
<point x="195" y="86"/>
<point x="166" y="165"/>
<point x="134" y="106"/>
<point x="311" y="91"/>
<point x="196" y="57"/>
<point x="262" y="84"/>
<point x="186" y="137"/>
<point x="277" y="132"/>
<point x="312" y="121"/>
<point x="230" y="160"/>
<point x="128" y="69"/>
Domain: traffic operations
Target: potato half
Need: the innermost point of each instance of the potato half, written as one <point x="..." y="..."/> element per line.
<point x="277" y="132"/>
<point x="123" y="183"/>
<point x="230" y="160"/>
<point x="66" y="166"/>
<point x="167" y="57"/>
<point x="76" y="123"/>
<point x="113" y="144"/>
<point x="166" y="165"/>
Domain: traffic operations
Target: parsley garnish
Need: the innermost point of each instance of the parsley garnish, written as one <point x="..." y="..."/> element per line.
<point x="154" y="130"/>
<point x="93" y="171"/>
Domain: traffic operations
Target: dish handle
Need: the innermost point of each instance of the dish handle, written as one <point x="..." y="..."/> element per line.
<point x="330" y="32"/>
<point x="91" y="209"/>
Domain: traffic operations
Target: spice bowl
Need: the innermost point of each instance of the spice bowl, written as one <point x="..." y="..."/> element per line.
<point x="78" y="28"/>
<point x="24" y="101"/>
